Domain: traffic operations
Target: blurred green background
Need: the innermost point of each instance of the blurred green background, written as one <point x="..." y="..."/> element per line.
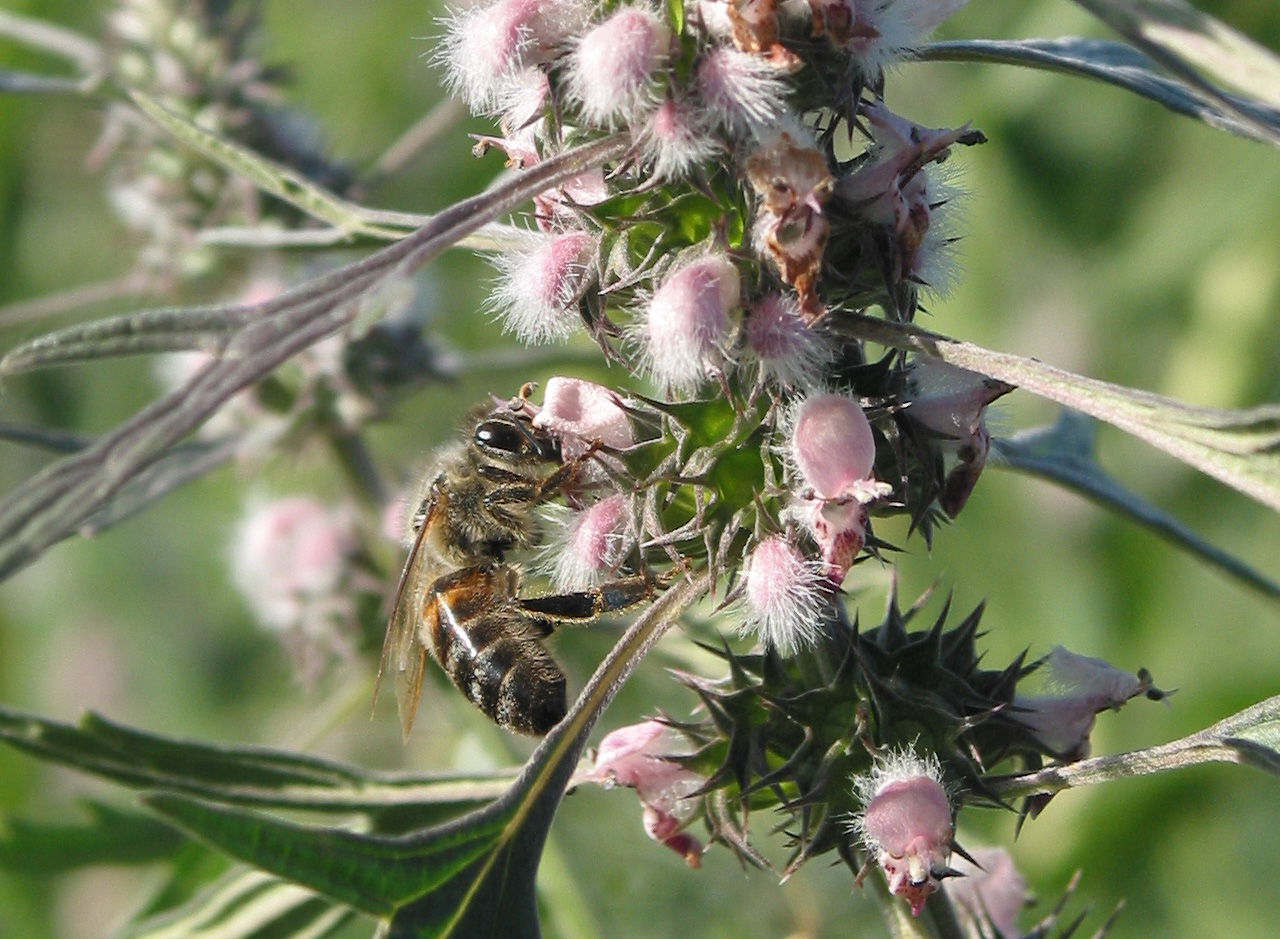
<point x="1102" y="234"/>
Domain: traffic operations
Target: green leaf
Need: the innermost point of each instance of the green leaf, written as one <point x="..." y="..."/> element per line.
<point x="472" y="877"/>
<point x="1116" y="63"/>
<point x="1188" y="43"/>
<point x="246" y="905"/>
<point x="108" y="836"/>
<point x="278" y="180"/>
<point x="675" y="11"/>
<point x="1238" y="447"/>
<point x="1064" y="453"/>
<point x="246" y="775"/>
<point x="1250" y="738"/>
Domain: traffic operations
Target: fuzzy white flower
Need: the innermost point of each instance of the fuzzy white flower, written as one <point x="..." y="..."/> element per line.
<point x="788" y="351"/>
<point x="687" y="324"/>
<point x="742" y="92"/>
<point x="676" y="138"/>
<point x="586" y="546"/>
<point x="486" y="46"/>
<point x="879" y="33"/>
<point x="906" y="823"/>
<point x="540" y="282"/>
<point x="784" y="595"/>
<point x="613" y="68"/>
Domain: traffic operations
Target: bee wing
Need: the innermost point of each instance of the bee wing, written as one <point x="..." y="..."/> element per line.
<point x="403" y="648"/>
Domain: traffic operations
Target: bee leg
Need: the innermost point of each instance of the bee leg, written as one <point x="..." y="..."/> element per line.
<point x="584" y="606"/>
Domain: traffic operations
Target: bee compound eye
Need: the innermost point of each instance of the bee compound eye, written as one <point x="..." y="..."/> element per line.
<point x="501" y="436"/>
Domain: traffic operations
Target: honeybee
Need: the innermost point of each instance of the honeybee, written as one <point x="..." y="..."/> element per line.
<point x="457" y="597"/>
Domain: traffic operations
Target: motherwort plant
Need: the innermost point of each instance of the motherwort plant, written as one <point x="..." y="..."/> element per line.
<point x="718" y="198"/>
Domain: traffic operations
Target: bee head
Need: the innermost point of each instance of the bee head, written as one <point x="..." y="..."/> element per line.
<point x="508" y="437"/>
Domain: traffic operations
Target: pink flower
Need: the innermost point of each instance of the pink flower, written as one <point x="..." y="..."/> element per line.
<point x="581" y="414"/>
<point x="834" y="453"/>
<point x="289" y="559"/>
<point x="993" y="894"/>
<point x="634" y="756"/>
<point x="784" y="595"/>
<point x="687" y="325"/>
<point x="487" y="45"/>
<point x="676" y="139"/>
<point x="789" y="352"/>
<point x="742" y="92"/>
<point x="541" y="283"/>
<point x="906" y="824"/>
<point x="591" y="543"/>
<point x="613" y="69"/>
<point x="832" y="445"/>
<point x="1074" y="689"/>
<point x="952" y="403"/>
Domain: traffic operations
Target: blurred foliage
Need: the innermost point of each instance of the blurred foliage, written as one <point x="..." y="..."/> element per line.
<point x="1105" y="236"/>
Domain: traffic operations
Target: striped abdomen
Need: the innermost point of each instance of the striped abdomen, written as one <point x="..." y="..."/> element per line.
<point x="491" y="651"/>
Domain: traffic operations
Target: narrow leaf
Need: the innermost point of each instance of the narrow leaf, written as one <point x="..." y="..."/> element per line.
<point x="1238" y="447"/>
<point x="1064" y="453"/>
<point x="1250" y="738"/>
<point x="183" y="464"/>
<point x="278" y="180"/>
<point x="55" y="502"/>
<point x="24" y="83"/>
<point x="108" y="836"/>
<point x="469" y="878"/>
<point x="205" y="329"/>
<point x="370" y="873"/>
<point x="1188" y="43"/>
<point x="242" y="775"/>
<point x="56" y="440"/>
<point x="1116" y="63"/>
<point x="247" y="905"/>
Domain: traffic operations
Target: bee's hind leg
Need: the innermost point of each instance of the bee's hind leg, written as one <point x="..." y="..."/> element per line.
<point x="584" y="606"/>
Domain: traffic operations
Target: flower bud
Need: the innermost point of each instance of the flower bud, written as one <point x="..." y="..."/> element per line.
<point x="541" y="283"/>
<point x="677" y="138"/>
<point x="591" y="543"/>
<point x="992" y="894"/>
<point x="634" y="756"/>
<point x="742" y="92"/>
<point x="612" y="70"/>
<point x="687" y="324"/>
<point x="1074" y="689"/>
<point x="789" y="352"/>
<point x="784" y="595"/>
<point x="582" y="413"/>
<point x="906" y="824"/>
<point x="834" y="452"/>
<point x="832" y="445"/>
<point x="486" y="46"/>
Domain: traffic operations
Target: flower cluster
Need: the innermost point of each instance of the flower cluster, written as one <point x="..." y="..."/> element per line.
<point x="720" y="97"/>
